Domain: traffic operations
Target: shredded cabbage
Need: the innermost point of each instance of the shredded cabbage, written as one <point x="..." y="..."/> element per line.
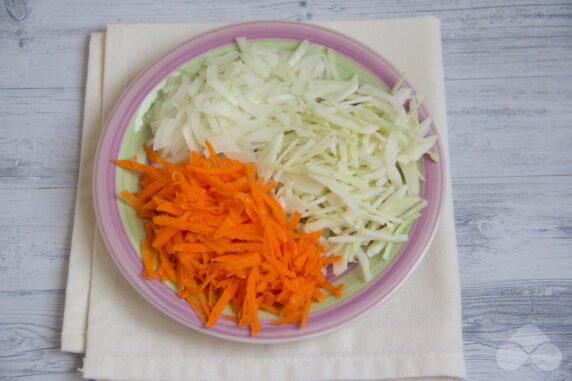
<point x="345" y="154"/>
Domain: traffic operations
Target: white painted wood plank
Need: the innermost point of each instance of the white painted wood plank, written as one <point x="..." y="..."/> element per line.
<point x="55" y="376"/>
<point x="508" y="127"/>
<point x="35" y="233"/>
<point x="479" y="41"/>
<point x="513" y="228"/>
<point x="39" y="143"/>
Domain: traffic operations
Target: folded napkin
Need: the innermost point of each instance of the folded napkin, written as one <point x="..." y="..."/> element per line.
<point x="416" y="334"/>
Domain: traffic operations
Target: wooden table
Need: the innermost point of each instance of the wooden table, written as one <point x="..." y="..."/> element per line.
<point x="508" y="67"/>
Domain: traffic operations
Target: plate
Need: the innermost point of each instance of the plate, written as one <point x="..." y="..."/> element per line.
<point x="123" y="137"/>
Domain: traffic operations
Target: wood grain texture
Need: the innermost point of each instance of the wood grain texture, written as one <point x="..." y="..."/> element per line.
<point x="508" y="39"/>
<point x="508" y="67"/>
<point x="513" y="228"/>
<point x="30" y="325"/>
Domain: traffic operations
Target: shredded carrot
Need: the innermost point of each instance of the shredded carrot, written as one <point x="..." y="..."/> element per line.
<point x="215" y="230"/>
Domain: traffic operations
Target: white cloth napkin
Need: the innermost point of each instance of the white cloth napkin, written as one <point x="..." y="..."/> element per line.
<point x="415" y="334"/>
<point x="79" y="269"/>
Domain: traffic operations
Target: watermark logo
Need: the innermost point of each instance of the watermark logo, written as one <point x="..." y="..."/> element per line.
<point x="529" y="342"/>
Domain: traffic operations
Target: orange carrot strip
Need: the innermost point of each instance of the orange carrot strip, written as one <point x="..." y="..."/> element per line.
<point x="216" y="171"/>
<point x="239" y="261"/>
<point x="180" y="224"/>
<point x="149" y="170"/>
<point x="169" y="207"/>
<point x="336" y="291"/>
<point x="292" y="318"/>
<point x="271" y="309"/>
<point x="224" y="299"/>
<point x="198" y="309"/>
<point x="150" y="260"/>
<point x="252" y="305"/>
<point x="164" y="236"/>
<point x="131" y="199"/>
<point x="276" y="208"/>
<point x="306" y="313"/>
<point x="192" y="247"/>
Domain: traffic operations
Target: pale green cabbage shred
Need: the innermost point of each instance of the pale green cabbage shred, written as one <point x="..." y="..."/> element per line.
<point x="345" y="154"/>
